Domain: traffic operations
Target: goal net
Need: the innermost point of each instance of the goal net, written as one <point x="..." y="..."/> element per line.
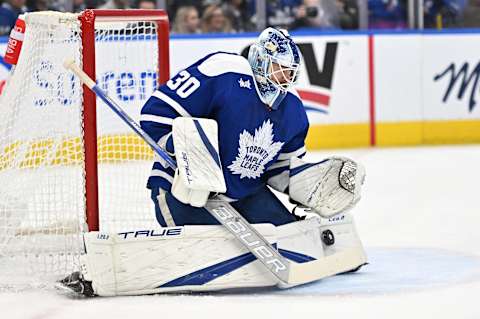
<point x="67" y="163"/>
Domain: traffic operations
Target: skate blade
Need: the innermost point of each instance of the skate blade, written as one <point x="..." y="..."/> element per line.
<point x="68" y="291"/>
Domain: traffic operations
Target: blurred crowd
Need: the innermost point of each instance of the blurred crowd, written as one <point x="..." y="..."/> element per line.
<point x="240" y="16"/>
<point x="231" y="16"/>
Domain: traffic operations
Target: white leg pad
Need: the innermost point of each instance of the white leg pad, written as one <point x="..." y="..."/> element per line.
<point x="307" y="237"/>
<point x="344" y="234"/>
<point x="202" y="258"/>
<point x="146" y="263"/>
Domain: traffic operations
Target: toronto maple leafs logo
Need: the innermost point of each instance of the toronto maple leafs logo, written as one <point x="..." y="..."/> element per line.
<point x="244" y="84"/>
<point x="255" y="151"/>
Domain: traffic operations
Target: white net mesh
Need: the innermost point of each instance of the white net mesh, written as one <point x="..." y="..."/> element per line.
<point x="128" y="79"/>
<point x="42" y="188"/>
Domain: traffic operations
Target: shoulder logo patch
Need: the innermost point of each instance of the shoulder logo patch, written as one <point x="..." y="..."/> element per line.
<point x="244" y="84"/>
<point x="254" y="152"/>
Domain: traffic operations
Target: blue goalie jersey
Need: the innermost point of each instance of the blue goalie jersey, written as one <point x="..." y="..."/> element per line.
<point x="255" y="143"/>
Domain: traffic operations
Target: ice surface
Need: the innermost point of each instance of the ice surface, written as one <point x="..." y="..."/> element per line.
<point x="419" y="220"/>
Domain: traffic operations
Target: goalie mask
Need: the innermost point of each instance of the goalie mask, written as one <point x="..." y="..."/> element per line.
<point x="275" y="60"/>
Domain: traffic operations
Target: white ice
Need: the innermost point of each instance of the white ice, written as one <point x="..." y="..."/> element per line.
<point x="419" y="220"/>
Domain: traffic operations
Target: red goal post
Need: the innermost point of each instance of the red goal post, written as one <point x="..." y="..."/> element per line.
<point x="88" y="19"/>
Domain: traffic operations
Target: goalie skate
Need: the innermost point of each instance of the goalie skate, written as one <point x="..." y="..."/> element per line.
<point x="76" y="285"/>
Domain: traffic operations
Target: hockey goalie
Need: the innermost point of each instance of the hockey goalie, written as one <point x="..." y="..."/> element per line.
<point x="236" y="128"/>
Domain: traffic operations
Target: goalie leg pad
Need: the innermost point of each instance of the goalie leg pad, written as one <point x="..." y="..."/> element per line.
<point x="189" y="258"/>
<point x="324" y="239"/>
<point x="202" y="258"/>
<point x="339" y="233"/>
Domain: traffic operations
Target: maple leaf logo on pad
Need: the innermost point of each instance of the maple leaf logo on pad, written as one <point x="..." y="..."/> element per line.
<point x="254" y="152"/>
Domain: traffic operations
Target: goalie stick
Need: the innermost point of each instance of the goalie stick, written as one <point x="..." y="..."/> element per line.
<point x="289" y="273"/>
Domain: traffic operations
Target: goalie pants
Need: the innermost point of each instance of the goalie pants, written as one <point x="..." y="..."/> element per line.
<point x="261" y="207"/>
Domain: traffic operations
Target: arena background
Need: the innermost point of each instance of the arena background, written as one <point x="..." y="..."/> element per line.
<point x="418" y="217"/>
<point x="364" y="88"/>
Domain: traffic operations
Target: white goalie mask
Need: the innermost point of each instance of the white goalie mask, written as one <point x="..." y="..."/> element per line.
<point x="275" y="61"/>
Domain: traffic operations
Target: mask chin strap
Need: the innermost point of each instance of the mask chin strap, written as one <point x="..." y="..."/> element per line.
<point x="278" y="99"/>
<point x="273" y="100"/>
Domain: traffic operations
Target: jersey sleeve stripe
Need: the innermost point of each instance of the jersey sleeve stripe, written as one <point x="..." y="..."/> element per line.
<point x="226" y="198"/>
<point x="157" y="158"/>
<point x="156" y="119"/>
<point x="297" y="153"/>
<point x="160" y="161"/>
<point x="162" y="142"/>
<point x="280" y="181"/>
<point x="162" y="174"/>
<point x="164" y="209"/>
<point x="174" y="104"/>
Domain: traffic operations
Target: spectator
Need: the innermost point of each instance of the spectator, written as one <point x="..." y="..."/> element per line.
<point x="387" y="14"/>
<point x="147" y="4"/>
<point x="44" y="5"/>
<point x="79" y="5"/>
<point x="9" y="11"/>
<point x="214" y="20"/>
<point x="281" y="13"/>
<point x="317" y="14"/>
<point x="348" y="14"/>
<point x="443" y="13"/>
<point x="471" y="14"/>
<point x="93" y="3"/>
<point x="237" y="12"/>
<point x="115" y="4"/>
<point x="186" y="21"/>
<point x="174" y="5"/>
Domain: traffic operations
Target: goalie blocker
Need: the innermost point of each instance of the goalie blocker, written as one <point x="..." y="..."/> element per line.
<point x="206" y="258"/>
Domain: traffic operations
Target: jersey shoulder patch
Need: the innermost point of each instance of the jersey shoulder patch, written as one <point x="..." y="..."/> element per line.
<point x="221" y="63"/>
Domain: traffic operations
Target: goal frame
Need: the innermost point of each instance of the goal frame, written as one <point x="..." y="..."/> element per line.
<point x="88" y="19"/>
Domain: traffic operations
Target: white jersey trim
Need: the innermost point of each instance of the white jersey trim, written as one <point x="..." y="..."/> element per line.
<point x="280" y="181"/>
<point x="162" y="142"/>
<point x="156" y="119"/>
<point x="285" y="156"/>
<point x="226" y="198"/>
<point x="162" y="174"/>
<point x="221" y="63"/>
<point x="164" y="209"/>
<point x="174" y="104"/>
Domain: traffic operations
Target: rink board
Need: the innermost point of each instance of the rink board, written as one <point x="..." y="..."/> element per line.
<point x="426" y="88"/>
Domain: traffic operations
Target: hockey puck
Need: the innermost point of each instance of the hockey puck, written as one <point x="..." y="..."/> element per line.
<point x="328" y="238"/>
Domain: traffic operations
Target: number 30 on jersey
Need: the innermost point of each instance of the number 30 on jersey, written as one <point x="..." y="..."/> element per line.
<point x="183" y="84"/>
